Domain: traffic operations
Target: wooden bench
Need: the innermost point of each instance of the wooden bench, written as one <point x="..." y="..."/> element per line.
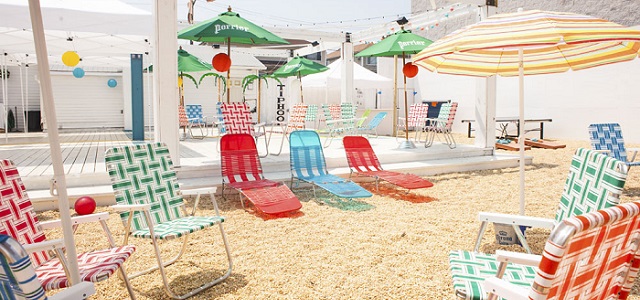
<point x="504" y="122"/>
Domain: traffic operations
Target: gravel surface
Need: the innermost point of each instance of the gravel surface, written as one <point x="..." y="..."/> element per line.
<point x="394" y="247"/>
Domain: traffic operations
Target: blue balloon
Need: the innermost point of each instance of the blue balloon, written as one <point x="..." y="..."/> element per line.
<point x="78" y="73"/>
<point x="112" y="83"/>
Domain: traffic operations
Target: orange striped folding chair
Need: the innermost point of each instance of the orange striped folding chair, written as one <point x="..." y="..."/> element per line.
<point x="595" y="181"/>
<point x="18" y="220"/>
<point x="242" y="171"/>
<point x="297" y="120"/>
<point x="591" y="256"/>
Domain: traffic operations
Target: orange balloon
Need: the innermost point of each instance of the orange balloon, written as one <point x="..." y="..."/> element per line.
<point x="221" y="62"/>
<point x="410" y="70"/>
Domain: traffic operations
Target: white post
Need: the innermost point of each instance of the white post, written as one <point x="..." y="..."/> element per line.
<point x="5" y="101"/>
<point x="485" y="113"/>
<point x="56" y="153"/>
<point x="165" y="69"/>
<point x="24" y="119"/>
<point x="346" y="84"/>
<point x="521" y="123"/>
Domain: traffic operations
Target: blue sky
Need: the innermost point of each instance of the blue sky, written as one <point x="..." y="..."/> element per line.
<point x="325" y="15"/>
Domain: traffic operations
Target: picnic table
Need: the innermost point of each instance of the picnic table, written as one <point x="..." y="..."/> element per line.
<point x="503" y="123"/>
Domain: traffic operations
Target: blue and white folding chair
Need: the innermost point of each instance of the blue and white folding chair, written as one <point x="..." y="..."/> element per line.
<point x="608" y="137"/>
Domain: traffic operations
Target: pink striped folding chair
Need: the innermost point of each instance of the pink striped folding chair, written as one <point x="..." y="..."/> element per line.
<point x="237" y="120"/>
<point x="414" y="121"/>
<point x="590" y="256"/>
<point x="19" y="221"/>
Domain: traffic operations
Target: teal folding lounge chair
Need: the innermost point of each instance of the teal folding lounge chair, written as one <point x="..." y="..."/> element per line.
<point x="442" y="125"/>
<point x="595" y="182"/>
<point x="151" y="206"/>
<point x="308" y="165"/>
<point x="18" y="279"/>
<point x="608" y="137"/>
<point x="372" y="127"/>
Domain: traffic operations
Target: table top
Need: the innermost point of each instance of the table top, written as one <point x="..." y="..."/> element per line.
<point x="512" y="119"/>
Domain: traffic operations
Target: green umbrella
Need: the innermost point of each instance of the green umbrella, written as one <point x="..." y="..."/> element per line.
<point x="400" y="43"/>
<point x="229" y="27"/>
<point x="299" y="66"/>
<point x="191" y="63"/>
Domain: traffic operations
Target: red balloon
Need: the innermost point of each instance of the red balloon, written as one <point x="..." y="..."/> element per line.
<point x="85" y="205"/>
<point x="410" y="70"/>
<point x="221" y="62"/>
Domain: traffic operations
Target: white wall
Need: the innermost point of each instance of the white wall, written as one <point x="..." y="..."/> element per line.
<point x="573" y="99"/>
<point x="17" y="93"/>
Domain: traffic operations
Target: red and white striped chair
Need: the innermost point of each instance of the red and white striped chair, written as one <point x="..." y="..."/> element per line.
<point x="590" y="256"/>
<point x="19" y="221"/>
<point x="415" y="120"/>
<point x="237" y="120"/>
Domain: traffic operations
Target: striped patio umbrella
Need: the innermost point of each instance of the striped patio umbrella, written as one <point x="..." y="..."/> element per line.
<point x="530" y="43"/>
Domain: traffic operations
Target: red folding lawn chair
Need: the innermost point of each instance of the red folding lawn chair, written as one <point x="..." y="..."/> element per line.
<point x="242" y="171"/>
<point x="363" y="161"/>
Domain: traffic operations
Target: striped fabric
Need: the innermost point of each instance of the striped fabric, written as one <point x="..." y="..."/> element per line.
<point x="18" y="220"/>
<point x="237" y="119"/>
<point x="469" y="270"/>
<point x="442" y="125"/>
<point x="241" y="169"/>
<point x="348" y="114"/>
<point x="312" y="113"/>
<point x="194" y="114"/>
<point x="608" y="136"/>
<point x="553" y="42"/>
<point x="18" y="279"/>
<point x="308" y="164"/>
<point x="182" y="117"/>
<point x="364" y="161"/>
<point x="595" y="182"/>
<point x="143" y="174"/>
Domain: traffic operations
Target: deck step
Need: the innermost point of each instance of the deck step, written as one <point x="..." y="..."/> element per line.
<point x="103" y="194"/>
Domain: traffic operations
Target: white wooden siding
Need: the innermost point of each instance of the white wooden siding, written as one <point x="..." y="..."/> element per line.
<point x="88" y="102"/>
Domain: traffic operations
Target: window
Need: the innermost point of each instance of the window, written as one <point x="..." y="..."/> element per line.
<point x="371" y="60"/>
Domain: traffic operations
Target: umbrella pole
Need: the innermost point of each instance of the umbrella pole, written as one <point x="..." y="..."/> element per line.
<point x="395" y="95"/>
<point x="258" y="101"/>
<point x="5" y="101"/>
<point x="301" y="96"/>
<point x="229" y="71"/>
<point x="521" y="127"/>
<point x="52" y="127"/>
<point x="407" y="144"/>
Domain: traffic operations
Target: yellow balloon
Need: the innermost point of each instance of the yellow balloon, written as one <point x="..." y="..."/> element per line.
<point x="70" y="58"/>
<point x="180" y="81"/>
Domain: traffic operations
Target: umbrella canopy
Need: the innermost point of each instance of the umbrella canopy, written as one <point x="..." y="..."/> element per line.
<point x="400" y="43"/>
<point x="529" y="43"/>
<point x="229" y="27"/>
<point x="299" y="66"/>
<point x="191" y="63"/>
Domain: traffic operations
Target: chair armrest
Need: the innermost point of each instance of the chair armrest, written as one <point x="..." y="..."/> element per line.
<point x="516" y="219"/>
<point x="634" y="152"/>
<point x="75" y="220"/>
<point x="131" y="207"/>
<point x="81" y="290"/>
<point x="191" y="192"/>
<point x="504" y="289"/>
<point x="518" y="258"/>
<point x="44" y="246"/>
<point x="261" y="124"/>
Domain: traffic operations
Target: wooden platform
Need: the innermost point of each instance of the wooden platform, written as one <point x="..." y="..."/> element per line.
<point x="199" y="166"/>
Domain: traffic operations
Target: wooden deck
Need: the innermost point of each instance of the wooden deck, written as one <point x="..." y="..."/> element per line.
<point x="82" y="152"/>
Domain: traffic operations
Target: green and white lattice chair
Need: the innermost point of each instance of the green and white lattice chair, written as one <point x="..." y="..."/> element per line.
<point x="18" y="279"/>
<point x="151" y="205"/>
<point x="595" y="182"/>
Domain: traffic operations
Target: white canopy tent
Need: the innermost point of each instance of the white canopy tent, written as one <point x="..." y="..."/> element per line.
<point x="325" y="87"/>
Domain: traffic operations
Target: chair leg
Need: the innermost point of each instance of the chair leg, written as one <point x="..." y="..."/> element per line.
<point x="284" y="137"/>
<point x="162" y="265"/>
